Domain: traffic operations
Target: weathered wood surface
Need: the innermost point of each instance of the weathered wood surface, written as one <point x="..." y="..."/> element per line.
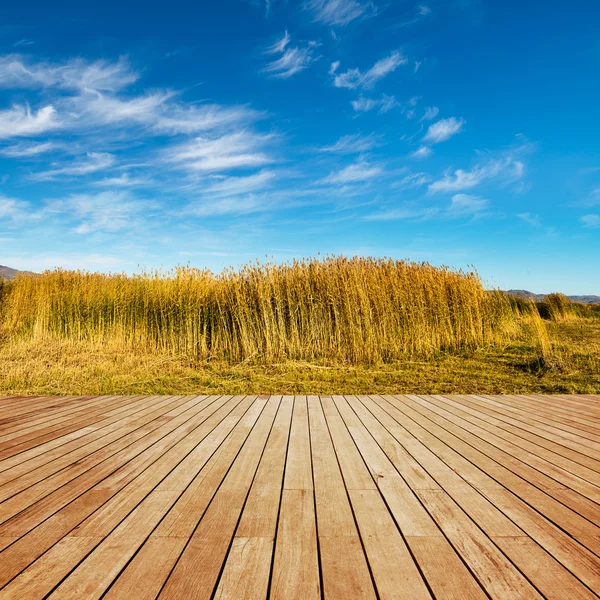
<point x="283" y="497"/>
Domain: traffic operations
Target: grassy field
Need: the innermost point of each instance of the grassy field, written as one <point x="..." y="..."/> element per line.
<point x="332" y="326"/>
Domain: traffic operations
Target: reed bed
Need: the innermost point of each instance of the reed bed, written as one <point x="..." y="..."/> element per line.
<point x="355" y="310"/>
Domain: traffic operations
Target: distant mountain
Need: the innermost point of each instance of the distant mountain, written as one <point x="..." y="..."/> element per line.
<point x="8" y="273"/>
<point x="540" y="297"/>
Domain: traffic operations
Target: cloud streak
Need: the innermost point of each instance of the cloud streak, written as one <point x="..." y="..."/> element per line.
<point x="355" y="78"/>
<point x="340" y="12"/>
<point x="443" y="130"/>
<point x="509" y="169"/>
<point x="291" y="60"/>
<point x="21" y="121"/>
<point x="358" y="172"/>
<point x="94" y="162"/>
<point x="352" y="144"/>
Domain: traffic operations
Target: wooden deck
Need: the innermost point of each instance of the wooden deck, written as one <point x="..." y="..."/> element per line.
<point x="340" y="497"/>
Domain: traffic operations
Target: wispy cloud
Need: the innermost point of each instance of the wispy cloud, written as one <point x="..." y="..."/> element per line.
<point x="123" y="181"/>
<point x="234" y="186"/>
<point x="292" y="60"/>
<point x="355" y="78"/>
<point x="352" y="144"/>
<point x="99" y="109"/>
<point x="535" y="222"/>
<point x="19" y="72"/>
<point x="92" y="163"/>
<point x="413" y="180"/>
<point x="431" y="112"/>
<point x="464" y="204"/>
<point x="279" y="45"/>
<point x="26" y="149"/>
<point x="11" y="208"/>
<point x="20" y="121"/>
<point x="443" y="130"/>
<point x="232" y="151"/>
<point x="509" y="169"/>
<point x="358" y="172"/>
<point x="383" y="104"/>
<point x="592" y="221"/>
<point x="420" y="12"/>
<point x="205" y="117"/>
<point x="340" y="12"/>
<point x="107" y="211"/>
<point x="422" y="152"/>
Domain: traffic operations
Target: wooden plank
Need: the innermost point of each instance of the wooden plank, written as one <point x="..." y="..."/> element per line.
<point x="119" y="533"/>
<point x="549" y="537"/>
<point x="243" y="497"/>
<point x="495" y="573"/>
<point x="344" y="569"/>
<point x="248" y="564"/>
<point x="39" y="529"/>
<point x="483" y="512"/>
<point x="525" y="443"/>
<point x="196" y="573"/>
<point x="31" y="472"/>
<point x="182" y="518"/>
<point x="295" y="574"/>
<point x="514" y="475"/>
<point x="95" y="467"/>
<point x="78" y="436"/>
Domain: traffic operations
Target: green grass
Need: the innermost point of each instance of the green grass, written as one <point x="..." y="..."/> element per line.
<point x="572" y="365"/>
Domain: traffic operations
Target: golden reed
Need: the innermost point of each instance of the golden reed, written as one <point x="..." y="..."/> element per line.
<point x="354" y="310"/>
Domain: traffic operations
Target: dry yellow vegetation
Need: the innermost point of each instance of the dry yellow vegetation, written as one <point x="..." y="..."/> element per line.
<point x="329" y="326"/>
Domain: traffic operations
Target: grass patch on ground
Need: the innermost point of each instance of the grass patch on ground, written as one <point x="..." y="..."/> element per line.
<point x="571" y="364"/>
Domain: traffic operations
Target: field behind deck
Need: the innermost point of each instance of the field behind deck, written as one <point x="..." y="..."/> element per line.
<point x="300" y="497"/>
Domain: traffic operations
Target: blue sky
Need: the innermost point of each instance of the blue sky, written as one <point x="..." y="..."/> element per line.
<point x="457" y="132"/>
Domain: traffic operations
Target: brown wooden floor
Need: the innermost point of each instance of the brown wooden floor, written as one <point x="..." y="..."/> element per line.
<point x="338" y="497"/>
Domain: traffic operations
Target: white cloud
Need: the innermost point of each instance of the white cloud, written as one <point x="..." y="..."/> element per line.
<point x="355" y="173"/>
<point x="20" y="121"/>
<point x="227" y="206"/>
<point x="205" y="117"/>
<point x="292" y="60"/>
<point x="592" y="221"/>
<point x="334" y="67"/>
<point x="431" y="112"/>
<point x="123" y="181"/>
<point x="11" y="208"/>
<point x="340" y="12"/>
<point x="94" y="162"/>
<point x="508" y="168"/>
<point x="25" y="149"/>
<point x="98" y="109"/>
<point x="421" y="11"/>
<point x="443" y="130"/>
<point x="231" y="151"/>
<point x="383" y="104"/>
<point x="77" y="74"/>
<point x="422" y="152"/>
<point x="464" y="204"/>
<point x="355" y="78"/>
<point x="280" y="45"/>
<point x="536" y="223"/>
<point x="351" y="144"/>
<point x="234" y="186"/>
<point x="107" y="211"/>
<point x="414" y="180"/>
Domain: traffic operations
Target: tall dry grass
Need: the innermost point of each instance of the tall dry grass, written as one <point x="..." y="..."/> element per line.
<point x="355" y="310"/>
